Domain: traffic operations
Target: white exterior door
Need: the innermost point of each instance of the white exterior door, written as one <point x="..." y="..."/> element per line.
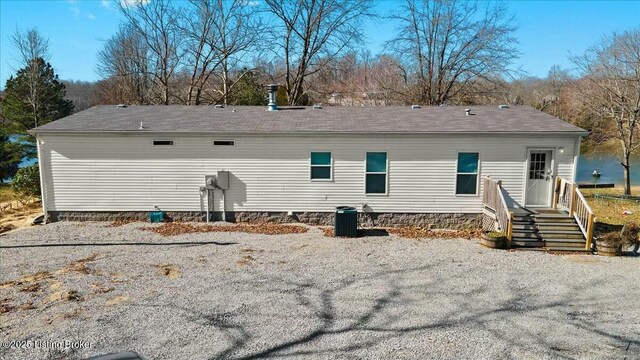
<point x="539" y="177"/>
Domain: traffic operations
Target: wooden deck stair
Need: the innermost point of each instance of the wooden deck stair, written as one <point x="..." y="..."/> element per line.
<point x="547" y="231"/>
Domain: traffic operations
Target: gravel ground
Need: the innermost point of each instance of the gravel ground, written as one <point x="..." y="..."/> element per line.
<point x="241" y="296"/>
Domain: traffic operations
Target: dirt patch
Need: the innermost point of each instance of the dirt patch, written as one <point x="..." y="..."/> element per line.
<point x="169" y="271"/>
<point x="581" y="258"/>
<point x="79" y="266"/>
<point x="5" y="306"/>
<point x="245" y="260"/>
<point x="119" y="223"/>
<point x="20" y="217"/>
<point x="173" y="229"/>
<point x="250" y="250"/>
<point x="64" y="295"/>
<point x="101" y="289"/>
<point x="421" y="233"/>
<point x="117" y="300"/>
<point x="32" y="288"/>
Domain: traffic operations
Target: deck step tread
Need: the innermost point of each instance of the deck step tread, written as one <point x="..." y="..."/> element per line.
<point x="563" y="248"/>
<point x="577" y="241"/>
<point x="537" y="223"/>
<point x="549" y="231"/>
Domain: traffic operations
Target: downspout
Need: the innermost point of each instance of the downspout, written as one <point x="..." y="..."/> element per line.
<point x="43" y="193"/>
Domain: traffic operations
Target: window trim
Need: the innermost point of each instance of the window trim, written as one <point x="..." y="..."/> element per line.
<point x="330" y="166"/>
<point x="233" y="143"/>
<point x="477" y="173"/>
<point x="153" y="142"/>
<point x="386" y="173"/>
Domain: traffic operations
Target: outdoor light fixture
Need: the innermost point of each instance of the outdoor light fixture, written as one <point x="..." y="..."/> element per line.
<point x="561" y="150"/>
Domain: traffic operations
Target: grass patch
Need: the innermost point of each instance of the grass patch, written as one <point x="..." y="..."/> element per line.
<point x="611" y="211"/>
<point x="6" y="193"/>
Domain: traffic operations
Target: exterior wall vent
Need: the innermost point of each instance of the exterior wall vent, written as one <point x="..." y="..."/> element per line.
<point x="416" y="107"/>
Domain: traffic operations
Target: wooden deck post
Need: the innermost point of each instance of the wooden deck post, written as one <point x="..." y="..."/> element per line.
<point x="590" y="225"/>
<point x="572" y="200"/>
<point x="556" y="194"/>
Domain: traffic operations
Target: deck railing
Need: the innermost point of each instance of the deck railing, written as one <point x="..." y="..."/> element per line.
<point x="493" y="201"/>
<point x="567" y="196"/>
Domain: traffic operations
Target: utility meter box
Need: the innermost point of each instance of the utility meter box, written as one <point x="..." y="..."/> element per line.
<point x="210" y="182"/>
<point x="223" y="180"/>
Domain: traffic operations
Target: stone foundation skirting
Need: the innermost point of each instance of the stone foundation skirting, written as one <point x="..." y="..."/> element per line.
<point x="431" y="220"/>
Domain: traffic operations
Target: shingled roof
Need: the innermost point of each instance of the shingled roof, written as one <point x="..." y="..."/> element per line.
<point x="363" y="120"/>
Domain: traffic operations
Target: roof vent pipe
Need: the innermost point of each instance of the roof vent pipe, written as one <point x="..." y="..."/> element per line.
<point x="273" y="90"/>
<point x="467" y="112"/>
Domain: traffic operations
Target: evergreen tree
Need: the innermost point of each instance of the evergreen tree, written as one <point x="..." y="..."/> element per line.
<point x="34" y="97"/>
<point x="248" y="91"/>
<point x="10" y="156"/>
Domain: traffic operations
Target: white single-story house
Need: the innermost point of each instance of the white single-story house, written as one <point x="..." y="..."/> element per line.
<point x="399" y="164"/>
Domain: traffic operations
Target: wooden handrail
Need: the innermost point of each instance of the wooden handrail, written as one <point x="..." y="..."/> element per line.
<point x="493" y="199"/>
<point x="575" y="203"/>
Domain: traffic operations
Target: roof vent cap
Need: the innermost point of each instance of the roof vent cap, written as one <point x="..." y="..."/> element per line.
<point x="219" y="106"/>
<point x="467" y="112"/>
<point x="141" y="126"/>
<point x="317" y="106"/>
<point x="416" y="107"/>
<point x="503" y="106"/>
<point x="121" y="105"/>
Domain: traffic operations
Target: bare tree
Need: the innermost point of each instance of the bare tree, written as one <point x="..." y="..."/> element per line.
<point x="451" y="44"/>
<point x="124" y="61"/>
<point x="218" y="33"/>
<point x="311" y="33"/>
<point x="30" y="45"/>
<point x="157" y="23"/>
<point x="611" y="90"/>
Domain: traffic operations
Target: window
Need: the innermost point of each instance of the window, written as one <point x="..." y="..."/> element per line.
<point x="224" y="143"/>
<point x="467" y="174"/>
<point x="376" y="173"/>
<point x="162" y="142"/>
<point x="320" y="166"/>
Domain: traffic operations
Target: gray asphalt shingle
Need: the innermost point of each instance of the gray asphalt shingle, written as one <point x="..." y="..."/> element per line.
<point x="255" y="119"/>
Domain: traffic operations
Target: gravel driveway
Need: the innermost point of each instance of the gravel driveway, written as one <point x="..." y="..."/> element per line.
<point x="241" y="296"/>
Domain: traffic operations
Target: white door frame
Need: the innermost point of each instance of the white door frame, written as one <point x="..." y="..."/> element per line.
<point x="526" y="174"/>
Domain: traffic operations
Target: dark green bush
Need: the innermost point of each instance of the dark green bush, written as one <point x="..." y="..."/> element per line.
<point x="26" y="182"/>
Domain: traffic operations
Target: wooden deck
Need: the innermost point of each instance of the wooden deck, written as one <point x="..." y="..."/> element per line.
<point x="566" y="226"/>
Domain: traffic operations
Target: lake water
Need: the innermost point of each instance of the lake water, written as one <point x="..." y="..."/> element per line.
<point x="610" y="168"/>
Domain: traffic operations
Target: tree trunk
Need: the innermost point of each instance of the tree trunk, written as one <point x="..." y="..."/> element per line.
<point x="627" y="177"/>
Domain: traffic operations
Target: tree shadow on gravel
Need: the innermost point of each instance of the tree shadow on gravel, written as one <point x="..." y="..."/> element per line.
<point x="381" y="321"/>
<point x="137" y="243"/>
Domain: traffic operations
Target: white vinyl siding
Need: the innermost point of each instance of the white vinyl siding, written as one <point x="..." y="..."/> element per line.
<point x="271" y="172"/>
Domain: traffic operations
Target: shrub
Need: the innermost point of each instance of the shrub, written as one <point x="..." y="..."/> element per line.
<point x="630" y="233"/>
<point x="611" y="239"/>
<point x="26" y="182"/>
